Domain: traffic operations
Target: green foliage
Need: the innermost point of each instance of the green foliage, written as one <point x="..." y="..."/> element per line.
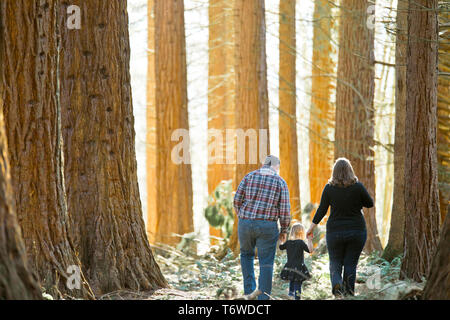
<point x="219" y="212"/>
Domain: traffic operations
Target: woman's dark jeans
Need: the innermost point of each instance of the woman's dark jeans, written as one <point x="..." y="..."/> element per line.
<point x="344" y="249"/>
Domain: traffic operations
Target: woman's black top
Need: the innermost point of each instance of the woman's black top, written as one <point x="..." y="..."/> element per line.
<point x="346" y="207"/>
<point x="295" y="259"/>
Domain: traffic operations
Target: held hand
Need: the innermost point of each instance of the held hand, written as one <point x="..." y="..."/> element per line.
<point x="310" y="232"/>
<point x="282" y="237"/>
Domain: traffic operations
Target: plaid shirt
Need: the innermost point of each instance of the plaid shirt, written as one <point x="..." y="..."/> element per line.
<point x="263" y="194"/>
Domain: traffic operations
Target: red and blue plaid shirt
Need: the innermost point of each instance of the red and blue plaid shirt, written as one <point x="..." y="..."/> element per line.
<point x="263" y="195"/>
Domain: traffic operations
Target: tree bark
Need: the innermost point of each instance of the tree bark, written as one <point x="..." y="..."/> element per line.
<point x="17" y="282"/>
<point x="101" y="169"/>
<point x="421" y="190"/>
<point x="221" y="90"/>
<point x="32" y="111"/>
<point x="395" y="243"/>
<point x="252" y="111"/>
<point x="322" y="112"/>
<point x="443" y="110"/>
<point x="438" y="283"/>
<point x="172" y="210"/>
<point x="287" y="106"/>
<point x="354" y="102"/>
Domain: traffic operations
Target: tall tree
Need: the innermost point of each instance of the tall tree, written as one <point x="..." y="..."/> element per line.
<point x="395" y="243"/>
<point x="322" y="112"/>
<point x="421" y="190"/>
<point x="221" y="107"/>
<point x="354" y="101"/>
<point x="252" y="110"/>
<point x="443" y="109"/>
<point x="287" y="106"/>
<point x="17" y="282"/>
<point x="171" y="211"/>
<point x="32" y="111"/>
<point x="438" y="282"/>
<point x="99" y="151"/>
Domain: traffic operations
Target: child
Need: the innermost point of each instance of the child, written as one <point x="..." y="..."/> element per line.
<point x="295" y="270"/>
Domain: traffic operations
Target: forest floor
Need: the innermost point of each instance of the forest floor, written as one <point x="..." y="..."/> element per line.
<point x="203" y="277"/>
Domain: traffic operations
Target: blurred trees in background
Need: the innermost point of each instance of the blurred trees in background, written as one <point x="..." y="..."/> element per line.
<point x="170" y="203"/>
<point x="287" y="105"/>
<point x="322" y="114"/>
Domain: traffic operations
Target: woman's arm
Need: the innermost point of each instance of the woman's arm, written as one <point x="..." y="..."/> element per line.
<point x="366" y="199"/>
<point x="323" y="207"/>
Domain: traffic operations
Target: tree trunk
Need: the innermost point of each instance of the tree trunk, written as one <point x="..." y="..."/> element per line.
<point x="396" y="232"/>
<point x="354" y="102"/>
<point x="172" y="210"/>
<point x="287" y="106"/>
<point x="17" y="282"/>
<point x="421" y="190"/>
<point x="32" y="111"/>
<point x="443" y="110"/>
<point x="221" y="90"/>
<point x="101" y="169"/>
<point x="252" y="111"/>
<point x="438" y="283"/>
<point x="322" y="112"/>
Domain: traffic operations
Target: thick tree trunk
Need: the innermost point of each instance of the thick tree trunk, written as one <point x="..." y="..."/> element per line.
<point x="354" y="102"/>
<point x="172" y="210"/>
<point x="396" y="232"/>
<point x="17" y="282"/>
<point x="252" y="111"/>
<point x="287" y="106"/>
<point x="101" y="170"/>
<point x="32" y="111"/>
<point x="443" y="109"/>
<point x="322" y="112"/>
<point x="421" y="190"/>
<point x="221" y="90"/>
<point x="438" y="283"/>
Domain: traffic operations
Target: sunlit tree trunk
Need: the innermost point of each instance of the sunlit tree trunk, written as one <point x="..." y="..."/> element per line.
<point x="252" y="111"/>
<point x="171" y="212"/>
<point x="221" y="91"/>
<point x="16" y="279"/>
<point x="32" y="111"/>
<point x="421" y="190"/>
<point x="151" y="145"/>
<point x="99" y="151"/>
<point x="287" y="106"/>
<point x="354" y="102"/>
<point x="443" y="111"/>
<point x="438" y="282"/>
<point x="322" y="112"/>
<point x="395" y="243"/>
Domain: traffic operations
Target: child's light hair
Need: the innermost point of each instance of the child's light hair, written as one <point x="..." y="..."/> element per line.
<point x="297" y="231"/>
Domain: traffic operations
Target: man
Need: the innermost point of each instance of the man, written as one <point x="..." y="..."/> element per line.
<point x="260" y="200"/>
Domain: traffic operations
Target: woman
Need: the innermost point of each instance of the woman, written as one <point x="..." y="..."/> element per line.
<point x="346" y="228"/>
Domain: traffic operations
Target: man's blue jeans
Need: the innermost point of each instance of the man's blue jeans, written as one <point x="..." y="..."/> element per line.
<point x="263" y="235"/>
<point x="344" y="249"/>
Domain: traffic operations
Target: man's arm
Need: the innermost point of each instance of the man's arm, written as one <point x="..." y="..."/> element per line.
<point x="285" y="208"/>
<point x="240" y="195"/>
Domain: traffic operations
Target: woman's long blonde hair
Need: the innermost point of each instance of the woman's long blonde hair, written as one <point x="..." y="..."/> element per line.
<point x="297" y="231"/>
<point x="343" y="174"/>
